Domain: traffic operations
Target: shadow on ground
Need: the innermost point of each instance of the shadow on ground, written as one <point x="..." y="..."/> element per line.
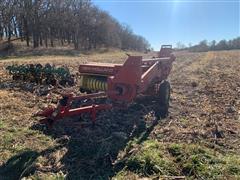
<point x="22" y="164"/>
<point x="14" y="52"/>
<point x="38" y="52"/>
<point x="91" y="151"/>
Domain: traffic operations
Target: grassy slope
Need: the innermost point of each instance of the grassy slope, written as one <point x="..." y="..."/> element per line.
<point x="200" y="139"/>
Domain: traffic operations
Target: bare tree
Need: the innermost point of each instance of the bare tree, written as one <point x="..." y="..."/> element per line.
<point x="77" y="22"/>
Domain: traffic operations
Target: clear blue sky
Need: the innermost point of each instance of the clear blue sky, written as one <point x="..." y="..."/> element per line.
<point x="168" y="21"/>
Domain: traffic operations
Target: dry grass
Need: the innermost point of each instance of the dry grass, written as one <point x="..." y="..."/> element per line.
<point x="205" y="113"/>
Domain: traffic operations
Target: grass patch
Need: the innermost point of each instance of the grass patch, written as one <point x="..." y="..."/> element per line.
<point x="191" y="160"/>
<point x="51" y="176"/>
<point x="14" y="140"/>
<point x="124" y="174"/>
<point x="2" y="125"/>
<point x="199" y="161"/>
<point x="150" y="160"/>
<point x="18" y="165"/>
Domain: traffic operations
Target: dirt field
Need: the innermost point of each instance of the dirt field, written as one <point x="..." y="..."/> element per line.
<point x="199" y="140"/>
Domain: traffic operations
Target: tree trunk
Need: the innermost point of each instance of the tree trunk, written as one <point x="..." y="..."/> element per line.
<point x="9" y="33"/>
<point x="46" y="41"/>
<point x="51" y="38"/>
<point x="40" y="40"/>
<point x="26" y="29"/>
<point x="35" y="38"/>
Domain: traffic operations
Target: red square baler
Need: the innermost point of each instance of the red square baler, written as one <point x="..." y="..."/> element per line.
<point x="119" y="84"/>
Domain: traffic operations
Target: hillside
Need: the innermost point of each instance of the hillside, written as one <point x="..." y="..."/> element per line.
<point x="199" y="140"/>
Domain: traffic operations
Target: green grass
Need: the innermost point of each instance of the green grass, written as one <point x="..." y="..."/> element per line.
<point x="20" y="148"/>
<point x="14" y="140"/>
<point x="18" y="165"/>
<point x="191" y="160"/>
<point x="199" y="161"/>
<point x="51" y="176"/>
<point x="151" y="160"/>
<point x="2" y="125"/>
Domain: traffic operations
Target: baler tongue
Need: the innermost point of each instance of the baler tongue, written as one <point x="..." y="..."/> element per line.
<point x="47" y="112"/>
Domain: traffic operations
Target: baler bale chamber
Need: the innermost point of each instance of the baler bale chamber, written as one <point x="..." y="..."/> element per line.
<point x="119" y="85"/>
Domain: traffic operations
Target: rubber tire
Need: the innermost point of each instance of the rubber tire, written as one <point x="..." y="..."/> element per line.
<point x="164" y="98"/>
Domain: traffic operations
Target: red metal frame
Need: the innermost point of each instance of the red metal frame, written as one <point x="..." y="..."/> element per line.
<point x="63" y="109"/>
<point x="125" y="82"/>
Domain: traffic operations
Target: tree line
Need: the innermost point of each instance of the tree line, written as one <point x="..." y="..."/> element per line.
<point x="204" y="45"/>
<point x="60" y="22"/>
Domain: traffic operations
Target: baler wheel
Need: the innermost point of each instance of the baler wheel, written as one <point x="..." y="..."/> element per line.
<point x="164" y="98"/>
